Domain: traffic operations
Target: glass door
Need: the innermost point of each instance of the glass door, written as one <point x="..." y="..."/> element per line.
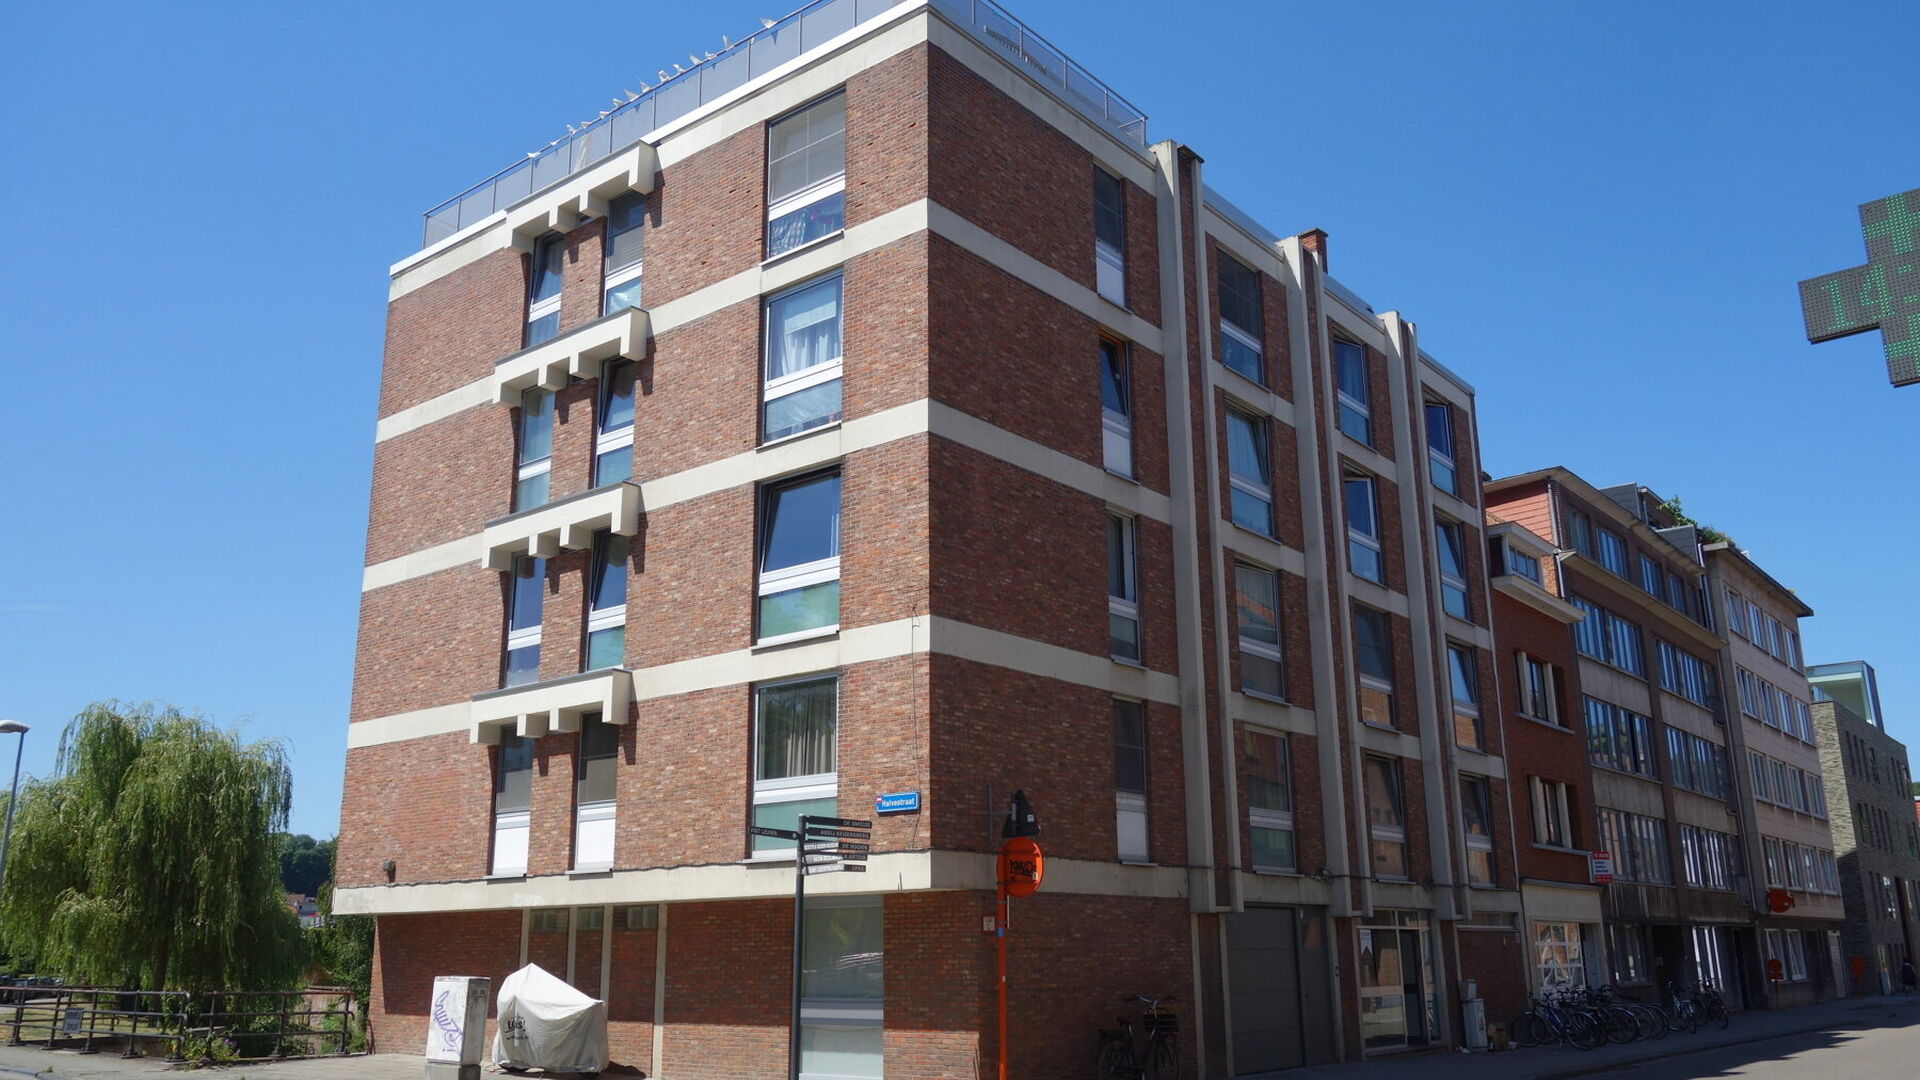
<point x="1383" y="990"/>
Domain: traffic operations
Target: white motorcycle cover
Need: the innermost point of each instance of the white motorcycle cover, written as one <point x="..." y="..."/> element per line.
<point x="546" y="1024"/>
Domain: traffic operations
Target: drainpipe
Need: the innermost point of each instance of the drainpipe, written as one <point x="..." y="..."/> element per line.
<point x="1202" y="889"/>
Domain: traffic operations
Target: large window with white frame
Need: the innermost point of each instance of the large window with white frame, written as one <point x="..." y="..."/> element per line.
<point x="1442" y="469"/>
<point x="1789" y="948"/>
<point x="595" y="792"/>
<point x="1354" y="393"/>
<point x="1257" y="611"/>
<point x="1552" y="803"/>
<point x="613" y="426"/>
<point x="543" y="289"/>
<point x="620" y="284"/>
<point x="1116" y="408"/>
<point x="1476" y="822"/>
<point x="1696" y="764"/>
<point x="1539" y="690"/>
<point x="1449" y="540"/>
<point x="1608" y="638"/>
<point x="533" y="449"/>
<point x="1708" y="859"/>
<point x="795" y="772"/>
<point x="1737" y="613"/>
<point x="1241" y="329"/>
<point x="526" y="591"/>
<point x="807" y="174"/>
<point x="1508" y="559"/>
<point x="801" y="387"/>
<point x="1270" y="801"/>
<point x="1123" y="589"/>
<point x="799" y="586"/>
<point x="1463" y="675"/>
<point x="1373" y="658"/>
<point x="607" y="603"/>
<point x="1110" y="236"/>
<point x="1639" y="846"/>
<point x="1363" y="529"/>
<point x="1653" y="578"/>
<point x="1249" y="472"/>
<point x="512" y="805"/>
<point x="1613" y="551"/>
<point x="1130" y="779"/>
<point x="1386" y="817"/>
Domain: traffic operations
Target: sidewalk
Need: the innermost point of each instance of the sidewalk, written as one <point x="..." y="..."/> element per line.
<point x="21" y="1062"/>
<point x="1559" y="1062"/>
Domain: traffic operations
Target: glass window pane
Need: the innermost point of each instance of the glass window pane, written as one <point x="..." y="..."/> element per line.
<point x="1373" y="646"/>
<point x="624" y="216"/>
<point x="795" y="610"/>
<point x="1250" y="511"/>
<point x="1465" y="679"/>
<point x="1113" y="379"/>
<point x="597" y="759"/>
<point x="803" y="523"/>
<point x="803" y="328"/>
<point x="1273" y="848"/>
<point x="794" y="413"/>
<point x="1440" y="429"/>
<point x="1351" y="359"/>
<point x="1269" y="786"/>
<point x="1109" y="210"/>
<point x="822" y="217"/>
<point x="531" y="491"/>
<point x="1240" y="357"/>
<point x="1129" y="746"/>
<point x="513" y="774"/>
<point x="1359" y="498"/>
<point x="842" y="961"/>
<point x="807" y="147"/>
<point x="607" y="648"/>
<point x="613" y="466"/>
<point x="796" y="730"/>
<point x="523" y="666"/>
<point x="616" y="407"/>
<point x="1240" y="297"/>
<point x="610" y="572"/>
<point x="527" y="589"/>
<point x="548" y="264"/>
<point x="1247" y="449"/>
<point x="786" y="815"/>
<point x="1120" y="561"/>
<point x="1259" y="607"/>
<point x="536" y="426"/>
<point x="1383" y="792"/>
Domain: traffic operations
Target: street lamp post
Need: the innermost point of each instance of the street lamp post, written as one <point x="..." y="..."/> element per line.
<point x="13" y="793"/>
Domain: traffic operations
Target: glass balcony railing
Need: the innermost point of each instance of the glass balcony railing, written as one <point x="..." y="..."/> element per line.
<point x="754" y="56"/>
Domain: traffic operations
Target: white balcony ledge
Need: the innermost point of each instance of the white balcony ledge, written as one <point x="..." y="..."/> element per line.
<point x="566" y="525"/>
<point x="1537" y="598"/>
<point x="583" y="196"/>
<point x="543" y="708"/>
<point x="576" y="354"/>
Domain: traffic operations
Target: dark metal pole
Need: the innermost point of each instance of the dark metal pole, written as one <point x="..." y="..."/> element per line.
<point x="13" y="797"/>
<point x="799" y="942"/>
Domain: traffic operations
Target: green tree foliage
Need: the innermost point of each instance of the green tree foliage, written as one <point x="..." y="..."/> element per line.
<point x="149" y="859"/>
<point x="305" y="864"/>
<point x="342" y="949"/>
<point x="1708" y="533"/>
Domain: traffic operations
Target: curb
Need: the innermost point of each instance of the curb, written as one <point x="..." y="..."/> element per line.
<point x="1642" y="1059"/>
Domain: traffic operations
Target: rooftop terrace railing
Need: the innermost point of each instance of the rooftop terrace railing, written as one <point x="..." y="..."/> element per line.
<point x="748" y="59"/>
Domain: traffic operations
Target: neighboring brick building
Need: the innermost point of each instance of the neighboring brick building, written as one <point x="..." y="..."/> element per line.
<point x="1548" y="781"/>
<point x="1869" y="788"/>
<point x="954" y="441"/>
<point x="1676" y="909"/>
<point x="1787" y="846"/>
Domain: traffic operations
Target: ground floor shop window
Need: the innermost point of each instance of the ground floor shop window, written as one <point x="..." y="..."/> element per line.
<point x="1628" y="952"/>
<point x="1788" y="947"/>
<point x="841" y="989"/>
<point x="1558" y="956"/>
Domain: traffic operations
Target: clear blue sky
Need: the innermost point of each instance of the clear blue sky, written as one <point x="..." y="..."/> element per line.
<point x="1595" y="212"/>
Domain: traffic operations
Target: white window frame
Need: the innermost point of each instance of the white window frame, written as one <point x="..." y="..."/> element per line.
<point x="789" y="578"/>
<point x="1551" y="813"/>
<point x="1434" y="454"/>
<point x="824" y="188"/>
<point x="606" y="618"/>
<point x="1277" y="820"/>
<point x="511" y="830"/>
<point x="1737" y="613"/>
<point x="1254" y="646"/>
<point x="1132" y="831"/>
<point x="1116" y="429"/>
<point x="1531" y="698"/>
<point x="1109" y="263"/>
<point x="773" y="389"/>
<point x="788" y="789"/>
<point x="526" y="637"/>
<point x="1354" y="535"/>
<point x="550" y="305"/>
<point x="1227" y="327"/>
<point x="606" y="441"/>
<point x="1253" y="486"/>
<point x="1128" y="606"/>
<point x="523" y="469"/>
<point x="1342" y="398"/>
<point x="1457" y="583"/>
<point x="1475" y="842"/>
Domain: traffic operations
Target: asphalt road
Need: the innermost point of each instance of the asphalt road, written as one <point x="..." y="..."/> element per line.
<point x="1880" y="1046"/>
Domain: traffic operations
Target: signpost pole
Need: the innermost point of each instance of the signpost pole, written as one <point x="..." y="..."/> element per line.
<point x="1001" y="914"/>
<point x="799" y="943"/>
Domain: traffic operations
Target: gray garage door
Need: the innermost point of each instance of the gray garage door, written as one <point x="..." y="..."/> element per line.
<point x="1276" y="974"/>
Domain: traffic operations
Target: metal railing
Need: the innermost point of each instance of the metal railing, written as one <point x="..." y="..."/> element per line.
<point x="250" y="1025"/>
<point x="753" y="56"/>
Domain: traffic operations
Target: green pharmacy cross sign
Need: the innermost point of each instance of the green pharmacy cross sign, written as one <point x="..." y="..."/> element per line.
<point x="1882" y="295"/>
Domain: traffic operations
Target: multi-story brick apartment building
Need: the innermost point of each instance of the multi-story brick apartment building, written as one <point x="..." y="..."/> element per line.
<point x="1869" y="788"/>
<point x="1676" y="908"/>
<point x="1550" y="788"/>
<point x="1787" y="847"/>
<point x="948" y="438"/>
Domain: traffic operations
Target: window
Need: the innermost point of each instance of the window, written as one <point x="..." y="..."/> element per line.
<point x="1476" y="818"/>
<point x="1607" y="637"/>
<point x="1363" y="530"/>
<point x="1748" y="688"/>
<point x="1440" y="458"/>
<point x="1511" y="560"/>
<point x="794" y="760"/>
<point x="512" y="804"/>
<point x="1652" y="578"/>
<point x="526" y="588"/>
<point x="1639" y="847"/>
<point x="1677" y="594"/>
<point x="1250" y="472"/>
<point x="1758" y="764"/>
<point x="1463" y="667"/>
<point x="1258" y="609"/>
<point x="1386" y="817"/>
<point x="1130" y="778"/>
<point x="533" y="452"/>
<point x="1559" y="958"/>
<point x="607" y="603"/>
<point x="1373" y="656"/>
<point x="1776" y="638"/>
<point x="543" y="289"/>
<point x="807" y="175"/>
<point x="594" y="791"/>
<point x="1240" y="322"/>
<point x="1737" y="614"/>
<point x="1627" y="946"/>
<point x="613" y="432"/>
<point x="1110" y="236"/>
<point x="1355" y="394"/>
<point x="1123" y="590"/>
<point x="1270" y="801"/>
<point x="842" y="987"/>
<point x="1789" y="948"/>
<point x="800" y="557"/>
<point x="637" y="917"/>
<point x="1552" y="815"/>
<point x="1447" y="539"/>
<point x="1793" y="657"/>
<point x="1539" y="692"/>
<point x="1696" y="764"/>
<point x="1619" y="739"/>
<point x="802" y="388"/>
<point x="548" y="920"/>
<point x="1116" y="408"/>
<point x="1757" y="622"/>
<point x="1684" y="674"/>
<point x="1613" y="551"/>
<point x="620" y="288"/>
<point x="1580" y="530"/>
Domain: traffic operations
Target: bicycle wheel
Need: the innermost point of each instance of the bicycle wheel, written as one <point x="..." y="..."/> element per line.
<point x="1621" y="1026"/>
<point x="1115" y="1057"/>
<point x="1163" y="1059"/>
<point x="1653" y="1024"/>
<point x="1717" y="1014"/>
<point x="1583" y="1034"/>
<point x="1527" y="1029"/>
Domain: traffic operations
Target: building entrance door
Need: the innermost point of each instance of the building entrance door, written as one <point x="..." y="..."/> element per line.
<point x="1396" y="984"/>
<point x="1277" y="983"/>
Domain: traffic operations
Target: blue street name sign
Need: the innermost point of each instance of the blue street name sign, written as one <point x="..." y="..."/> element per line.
<point x="900" y="802"/>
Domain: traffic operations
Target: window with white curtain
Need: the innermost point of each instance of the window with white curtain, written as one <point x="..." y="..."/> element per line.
<point x="794" y="760"/>
<point x="801" y="387"/>
<point x="807" y="174"/>
<point x="620" y="284"/>
<point x="1250" y="472"/>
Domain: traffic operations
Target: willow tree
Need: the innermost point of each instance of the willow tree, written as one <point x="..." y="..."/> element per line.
<point x="150" y="858"/>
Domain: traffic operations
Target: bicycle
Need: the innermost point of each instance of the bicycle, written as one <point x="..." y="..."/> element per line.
<point x="1158" y="1057"/>
<point x="1556" y="1019"/>
<point x="1713" y="1009"/>
<point x="1683" y="1013"/>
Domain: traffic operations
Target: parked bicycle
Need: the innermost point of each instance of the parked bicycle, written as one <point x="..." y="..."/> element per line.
<point x="1586" y="1017"/>
<point x="1158" y="1056"/>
